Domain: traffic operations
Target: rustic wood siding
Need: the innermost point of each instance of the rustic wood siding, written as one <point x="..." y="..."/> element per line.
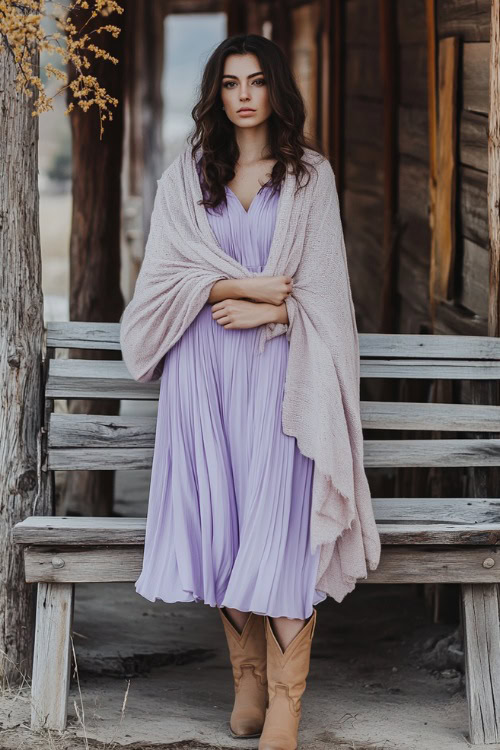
<point x="470" y="21"/>
<point x="363" y="159"/>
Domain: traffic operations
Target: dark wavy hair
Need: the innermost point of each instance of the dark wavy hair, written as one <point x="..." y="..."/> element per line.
<point x="214" y="132"/>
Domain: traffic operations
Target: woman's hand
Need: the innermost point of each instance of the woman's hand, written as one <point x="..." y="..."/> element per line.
<point x="271" y="289"/>
<point x="241" y="313"/>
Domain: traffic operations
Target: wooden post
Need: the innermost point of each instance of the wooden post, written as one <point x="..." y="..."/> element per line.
<point x="326" y="70"/>
<point x="388" y="54"/>
<point x="95" y="291"/>
<point x="52" y="655"/>
<point x="482" y="660"/>
<point x="442" y="265"/>
<point x="433" y="116"/>
<point x="21" y="345"/>
<point x="494" y="172"/>
<point x="337" y="148"/>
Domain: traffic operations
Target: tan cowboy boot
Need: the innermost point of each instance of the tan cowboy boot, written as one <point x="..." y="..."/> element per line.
<point x="286" y="675"/>
<point x="247" y="651"/>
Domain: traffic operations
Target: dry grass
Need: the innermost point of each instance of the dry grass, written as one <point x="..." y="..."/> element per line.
<point x="46" y="738"/>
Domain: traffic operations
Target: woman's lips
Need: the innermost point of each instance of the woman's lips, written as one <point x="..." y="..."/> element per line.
<point x="244" y="112"/>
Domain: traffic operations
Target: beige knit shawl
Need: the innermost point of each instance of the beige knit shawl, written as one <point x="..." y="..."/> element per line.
<point x="321" y="406"/>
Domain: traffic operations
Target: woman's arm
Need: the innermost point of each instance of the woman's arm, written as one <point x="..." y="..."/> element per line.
<point x="270" y="289"/>
<point x="226" y="289"/>
<point x="231" y="313"/>
<point x="281" y="314"/>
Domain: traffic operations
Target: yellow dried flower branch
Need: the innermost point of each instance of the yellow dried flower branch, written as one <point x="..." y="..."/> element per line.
<point x="22" y="34"/>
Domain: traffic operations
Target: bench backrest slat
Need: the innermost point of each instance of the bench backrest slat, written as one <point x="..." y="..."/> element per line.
<point x="83" y="335"/>
<point x="80" y="441"/>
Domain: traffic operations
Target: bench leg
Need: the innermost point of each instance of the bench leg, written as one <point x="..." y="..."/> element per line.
<point x="480" y="618"/>
<point x="52" y="655"/>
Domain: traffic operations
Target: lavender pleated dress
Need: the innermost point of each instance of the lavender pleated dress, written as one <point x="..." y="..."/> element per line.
<point x="230" y="493"/>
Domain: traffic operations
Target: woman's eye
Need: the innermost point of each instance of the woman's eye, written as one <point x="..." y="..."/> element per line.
<point x="229" y="84"/>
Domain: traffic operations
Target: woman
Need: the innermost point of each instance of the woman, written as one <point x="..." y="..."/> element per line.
<point x="230" y="499"/>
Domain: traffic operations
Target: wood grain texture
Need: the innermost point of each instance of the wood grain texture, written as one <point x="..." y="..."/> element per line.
<point x="452" y="319"/>
<point x="398" y="564"/>
<point x="475" y="278"/>
<point x="377" y="453"/>
<point x="473" y="141"/>
<point x="443" y="263"/>
<point x="99" y="431"/>
<point x="83" y="379"/>
<point x="400" y="521"/>
<point x="21" y="347"/>
<point x="72" y="334"/>
<point x="52" y="655"/>
<point x="493" y="190"/>
<point x="468" y="19"/>
<point x="480" y="610"/>
<point x="475" y="76"/>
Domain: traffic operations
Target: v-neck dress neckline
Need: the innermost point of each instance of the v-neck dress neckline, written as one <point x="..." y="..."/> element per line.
<point x="246" y="210"/>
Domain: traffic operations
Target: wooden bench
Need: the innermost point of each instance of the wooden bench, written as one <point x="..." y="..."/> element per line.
<point x="452" y="540"/>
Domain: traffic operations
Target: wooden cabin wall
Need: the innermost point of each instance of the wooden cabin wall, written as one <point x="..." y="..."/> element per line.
<point x="362" y="179"/>
<point x="466" y="311"/>
<point x="413" y="169"/>
<point x="470" y="22"/>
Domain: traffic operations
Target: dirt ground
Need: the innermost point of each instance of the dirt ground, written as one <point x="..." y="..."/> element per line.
<point x="158" y="676"/>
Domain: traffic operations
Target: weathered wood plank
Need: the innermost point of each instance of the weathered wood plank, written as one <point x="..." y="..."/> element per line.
<point x="362" y="71"/>
<point x="413" y="135"/>
<point x="94" y="431"/>
<point x="418" y="369"/>
<point x="395" y="453"/>
<point x="493" y="188"/>
<point x="443" y="260"/>
<point x="364" y="121"/>
<point x="411" y="21"/>
<point x="452" y="319"/>
<point x="376" y="345"/>
<point x="445" y="518"/>
<point x="475" y="278"/>
<point x="413" y="74"/>
<point x="413" y="275"/>
<point x="468" y="19"/>
<point x="480" y="609"/>
<point x="79" y="459"/>
<point x="75" y="334"/>
<point x="423" y="534"/>
<point x="460" y="511"/>
<point x="413" y="176"/>
<point x="473" y="205"/>
<point x="475" y="76"/>
<point x="78" y="378"/>
<point x="52" y="655"/>
<point x="361" y="22"/>
<point x="80" y="530"/>
<point x="473" y="141"/>
<point x="377" y="453"/>
<point x="364" y="174"/>
<point x="397" y="565"/>
<point x="416" y="345"/>
<point x="404" y="415"/>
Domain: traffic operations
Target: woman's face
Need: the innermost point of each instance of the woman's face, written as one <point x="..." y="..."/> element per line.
<point x="243" y="85"/>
